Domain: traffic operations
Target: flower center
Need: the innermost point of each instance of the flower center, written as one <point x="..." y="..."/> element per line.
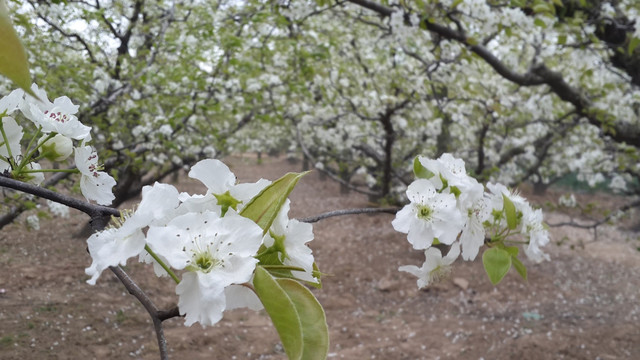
<point x="424" y="212"/>
<point x="203" y="256"/>
<point x="57" y="116"/>
<point x="204" y="262"/>
<point x="439" y="273"/>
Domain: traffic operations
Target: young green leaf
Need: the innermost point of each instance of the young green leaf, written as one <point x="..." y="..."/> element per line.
<point x="282" y="311"/>
<point x="512" y="250"/>
<point x="296" y="314"/>
<point x="519" y="266"/>
<point x="13" y="58"/>
<point x="633" y="44"/>
<point x="497" y="263"/>
<point x="420" y="171"/>
<point x="315" y="333"/>
<point x="510" y="212"/>
<point x="264" y="207"/>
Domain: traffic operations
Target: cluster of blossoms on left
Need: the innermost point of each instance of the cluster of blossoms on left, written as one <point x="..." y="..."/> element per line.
<point x="206" y="238"/>
<point x="56" y="130"/>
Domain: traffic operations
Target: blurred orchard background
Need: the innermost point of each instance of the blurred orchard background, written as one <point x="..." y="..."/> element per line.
<point x="540" y="94"/>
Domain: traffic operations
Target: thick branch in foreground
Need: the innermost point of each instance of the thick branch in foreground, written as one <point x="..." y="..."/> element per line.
<point x="94" y="211"/>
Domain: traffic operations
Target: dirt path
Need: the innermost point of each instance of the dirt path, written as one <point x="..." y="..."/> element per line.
<point x="584" y="304"/>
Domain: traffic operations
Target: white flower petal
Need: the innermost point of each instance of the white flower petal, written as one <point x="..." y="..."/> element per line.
<point x="111" y="247"/>
<point x="14" y="135"/>
<point x="214" y="174"/>
<point x="95" y="185"/>
<point x="238" y="296"/>
<point x="198" y="301"/>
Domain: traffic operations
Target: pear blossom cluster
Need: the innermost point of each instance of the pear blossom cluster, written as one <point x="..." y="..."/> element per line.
<point x="56" y="129"/>
<point x="449" y="207"/>
<point x="204" y="237"/>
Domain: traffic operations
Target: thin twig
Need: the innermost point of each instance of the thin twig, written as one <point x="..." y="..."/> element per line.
<point x="329" y="214"/>
<point x="151" y="308"/>
<point x="595" y="224"/>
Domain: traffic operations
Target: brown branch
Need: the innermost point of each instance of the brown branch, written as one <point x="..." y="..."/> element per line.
<point x="598" y="223"/>
<point x="313" y="219"/>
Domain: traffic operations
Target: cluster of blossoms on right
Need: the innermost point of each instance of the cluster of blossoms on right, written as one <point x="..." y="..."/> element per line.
<point x="449" y="207"/>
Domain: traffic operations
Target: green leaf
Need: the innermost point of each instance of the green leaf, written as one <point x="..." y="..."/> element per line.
<point x="497" y="263"/>
<point x="315" y="332"/>
<point x="510" y="212"/>
<point x="445" y="183"/>
<point x="13" y="58"/>
<point x="296" y="314"/>
<point x="562" y="39"/>
<point x="264" y="207"/>
<point x="282" y="312"/>
<point x="539" y="22"/>
<point x="512" y="250"/>
<point x="519" y="266"/>
<point x="633" y="44"/>
<point x="508" y="31"/>
<point x="420" y="171"/>
<point x="227" y="201"/>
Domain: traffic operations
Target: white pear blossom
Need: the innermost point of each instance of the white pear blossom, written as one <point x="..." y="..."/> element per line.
<point x="240" y="296"/>
<point x="58" y="209"/>
<point x="568" y="200"/>
<point x="116" y="244"/>
<point x="430" y="215"/>
<point x="289" y="238"/>
<point x="222" y="191"/>
<point x="538" y="236"/>
<point x="35" y="178"/>
<point x="495" y="199"/>
<point x="452" y="171"/>
<point x="529" y="220"/>
<point x="435" y="267"/>
<point x="14" y="133"/>
<point x="57" y="148"/>
<point x="33" y="222"/>
<point x="11" y="102"/>
<point x="95" y="185"/>
<point x="54" y="117"/>
<point x="216" y="252"/>
<point x="473" y="233"/>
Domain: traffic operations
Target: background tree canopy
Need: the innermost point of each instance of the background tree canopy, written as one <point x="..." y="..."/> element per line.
<point x="521" y="90"/>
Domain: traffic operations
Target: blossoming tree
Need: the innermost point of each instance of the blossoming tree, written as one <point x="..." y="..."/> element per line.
<point x="509" y="90"/>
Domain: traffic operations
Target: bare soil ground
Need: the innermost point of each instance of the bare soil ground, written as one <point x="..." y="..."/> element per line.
<point x="583" y="304"/>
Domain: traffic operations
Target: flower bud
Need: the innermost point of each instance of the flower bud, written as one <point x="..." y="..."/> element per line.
<point x="58" y="148"/>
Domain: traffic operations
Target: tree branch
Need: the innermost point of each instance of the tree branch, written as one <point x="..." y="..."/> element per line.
<point x="99" y="219"/>
<point x="313" y="219"/>
<point x="94" y="211"/>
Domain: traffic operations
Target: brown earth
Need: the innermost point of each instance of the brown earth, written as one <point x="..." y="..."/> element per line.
<point x="583" y="304"/>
